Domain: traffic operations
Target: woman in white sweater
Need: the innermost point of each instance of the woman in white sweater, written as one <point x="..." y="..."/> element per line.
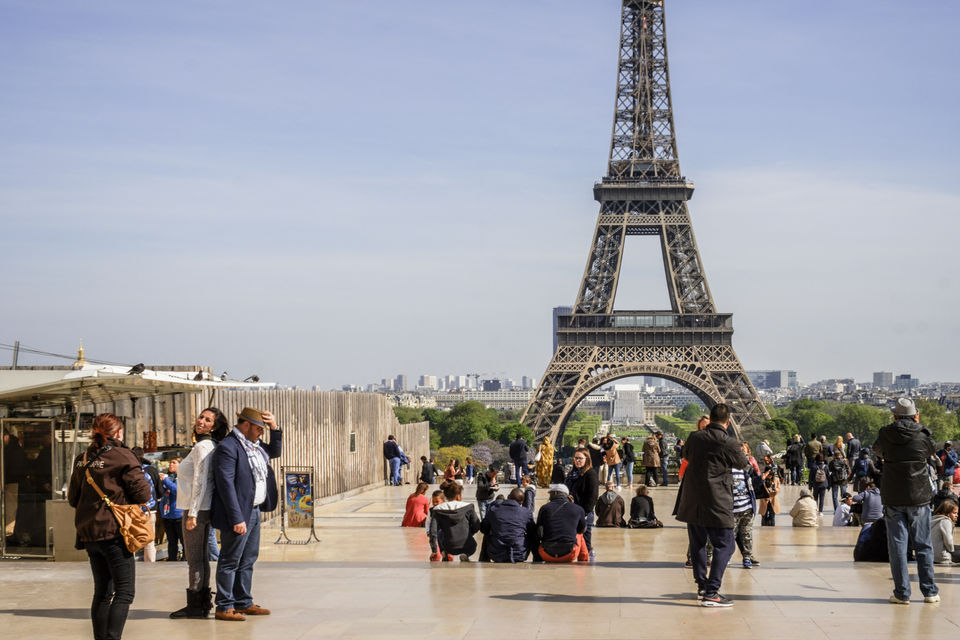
<point x="941" y="533"/>
<point x="195" y="490"/>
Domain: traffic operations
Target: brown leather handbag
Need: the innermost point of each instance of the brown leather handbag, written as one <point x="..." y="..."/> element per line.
<point x="133" y="519"/>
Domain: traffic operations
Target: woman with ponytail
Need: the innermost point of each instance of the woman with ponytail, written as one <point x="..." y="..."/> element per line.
<point x="195" y="491"/>
<point x="117" y="473"/>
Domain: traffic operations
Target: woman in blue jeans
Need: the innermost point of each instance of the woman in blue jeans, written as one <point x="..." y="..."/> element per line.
<point x="117" y="473"/>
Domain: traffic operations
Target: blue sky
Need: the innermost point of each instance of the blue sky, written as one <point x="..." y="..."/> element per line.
<point x="335" y="192"/>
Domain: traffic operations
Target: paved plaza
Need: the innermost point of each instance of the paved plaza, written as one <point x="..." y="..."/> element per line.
<point x="368" y="578"/>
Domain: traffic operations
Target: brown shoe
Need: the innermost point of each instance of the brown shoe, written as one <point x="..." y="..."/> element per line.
<point x="230" y="614"/>
<point x="255" y="610"/>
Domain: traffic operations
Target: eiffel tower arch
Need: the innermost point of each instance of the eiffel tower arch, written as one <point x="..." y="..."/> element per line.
<point x="643" y="193"/>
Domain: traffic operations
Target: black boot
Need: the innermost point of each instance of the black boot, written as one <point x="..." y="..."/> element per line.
<point x="206" y="601"/>
<point x="194" y="608"/>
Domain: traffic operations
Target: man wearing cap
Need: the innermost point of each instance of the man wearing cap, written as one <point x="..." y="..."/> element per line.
<point x="905" y="447"/>
<point x="244" y="485"/>
<point x="560" y="527"/>
<point x="842" y="515"/>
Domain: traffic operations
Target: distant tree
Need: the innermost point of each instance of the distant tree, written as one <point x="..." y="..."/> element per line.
<point x="785" y="428"/>
<point x="434" y="440"/>
<point x="498" y="453"/>
<point x="934" y="416"/>
<point x="690" y="412"/>
<point x="444" y="454"/>
<point x="862" y="421"/>
<point x="482" y="456"/>
<point x="467" y="424"/>
<point x="511" y="430"/>
<point x="406" y="415"/>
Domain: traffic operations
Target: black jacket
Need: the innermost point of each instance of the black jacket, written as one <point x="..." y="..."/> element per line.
<point x="706" y="495"/>
<point x="853" y="449"/>
<point x="558" y="524"/>
<point x="428" y="473"/>
<point x="794" y="456"/>
<point x="584" y="489"/>
<point x="453" y="523"/>
<point x="905" y="447"/>
<point x="510" y="532"/>
<point x="519" y="450"/>
<point x="641" y="509"/>
<point x="627" y="454"/>
<point x="486" y="488"/>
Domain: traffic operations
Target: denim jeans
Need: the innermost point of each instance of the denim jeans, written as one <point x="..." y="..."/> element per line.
<point x="663" y="470"/>
<point x="520" y="469"/>
<point x="836" y="489"/>
<point x="114" y="581"/>
<point x="238" y="553"/>
<point x="213" y="547"/>
<point x="483" y="505"/>
<point x="909" y="527"/>
<point x="395" y="471"/>
<point x="588" y="532"/>
<point x="614" y="469"/>
<point x="628" y="472"/>
<point x="818" y="495"/>
<point x="723" y="546"/>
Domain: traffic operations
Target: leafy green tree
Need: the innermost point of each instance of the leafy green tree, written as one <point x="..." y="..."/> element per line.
<point x="690" y="412"/>
<point x="467" y="424"/>
<point x="434" y="440"/>
<point x="512" y="429"/>
<point x="435" y="417"/>
<point x="862" y="421"/>
<point x="444" y="455"/>
<point x="784" y="427"/>
<point x="942" y="425"/>
<point x="406" y="415"/>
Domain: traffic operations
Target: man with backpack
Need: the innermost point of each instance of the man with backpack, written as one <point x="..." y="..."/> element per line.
<point x="519" y="450"/>
<point x="153" y="479"/>
<point x="839" y="470"/>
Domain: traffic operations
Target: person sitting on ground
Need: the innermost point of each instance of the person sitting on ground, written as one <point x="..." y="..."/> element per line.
<point x="417" y="507"/>
<point x="941" y="534"/>
<point x="804" y="512"/>
<point x="610" y="508"/>
<point x="435" y="498"/>
<point x="945" y="494"/>
<point x="452" y="526"/>
<point x="529" y="493"/>
<point x="872" y="543"/>
<point x="641" y="511"/>
<point x="509" y="532"/>
<point x="872" y="503"/>
<point x="560" y="527"/>
<point x="843" y="517"/>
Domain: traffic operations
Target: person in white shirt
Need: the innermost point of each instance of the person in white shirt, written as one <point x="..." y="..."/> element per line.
<point x="195" y="491"/>
<point x="843" y="517"/>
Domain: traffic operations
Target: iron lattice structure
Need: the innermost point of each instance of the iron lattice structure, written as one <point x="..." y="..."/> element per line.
<point x="643" y="193"/>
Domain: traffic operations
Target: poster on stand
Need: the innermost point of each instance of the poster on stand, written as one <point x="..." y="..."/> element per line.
<point x="298" y="498"/>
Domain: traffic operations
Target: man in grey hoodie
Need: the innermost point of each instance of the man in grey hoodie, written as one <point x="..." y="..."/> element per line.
<point x="452" y="526"/>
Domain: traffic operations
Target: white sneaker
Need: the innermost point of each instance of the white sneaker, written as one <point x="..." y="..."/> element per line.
<point x="896" y="600"/>
<point x="932" y="599"/>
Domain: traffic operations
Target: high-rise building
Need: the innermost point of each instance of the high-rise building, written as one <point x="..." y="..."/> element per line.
<point x="627" y="404"/>
<point x="428" y="382"/>
<point x="400" y="383"/>
<point x="882" y="379"/>
<point x="492" y="385"/>
<point x="905" y="382"/>
<point x="558" y="311"/>
<point x="527" y="382"/>
<point x="773" y="379"/>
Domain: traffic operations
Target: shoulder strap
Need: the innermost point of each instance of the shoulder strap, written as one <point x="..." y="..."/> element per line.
<point x="93" y="484"/>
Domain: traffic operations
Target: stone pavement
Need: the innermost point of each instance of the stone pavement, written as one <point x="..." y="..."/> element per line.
<point x="369" y="578"/>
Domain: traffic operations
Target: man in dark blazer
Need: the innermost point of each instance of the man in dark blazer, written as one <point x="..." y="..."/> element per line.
<point x="705" y="502"/>
<point x="244" y="485"/>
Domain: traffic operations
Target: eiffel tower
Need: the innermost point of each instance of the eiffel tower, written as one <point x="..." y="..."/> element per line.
<point x="643" y="193"/>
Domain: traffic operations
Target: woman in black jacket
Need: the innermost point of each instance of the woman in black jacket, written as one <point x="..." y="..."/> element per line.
<point x="117" y="473"/>
<point x="584" y="488"/>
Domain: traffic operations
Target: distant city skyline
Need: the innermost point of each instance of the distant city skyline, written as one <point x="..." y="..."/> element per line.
<point x="320" y="193"/>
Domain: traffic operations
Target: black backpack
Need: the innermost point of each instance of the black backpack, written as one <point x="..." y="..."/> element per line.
<point x="838" y="471"/>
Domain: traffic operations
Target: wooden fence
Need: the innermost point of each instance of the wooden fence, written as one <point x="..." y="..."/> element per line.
<point x="339" y="434"/>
